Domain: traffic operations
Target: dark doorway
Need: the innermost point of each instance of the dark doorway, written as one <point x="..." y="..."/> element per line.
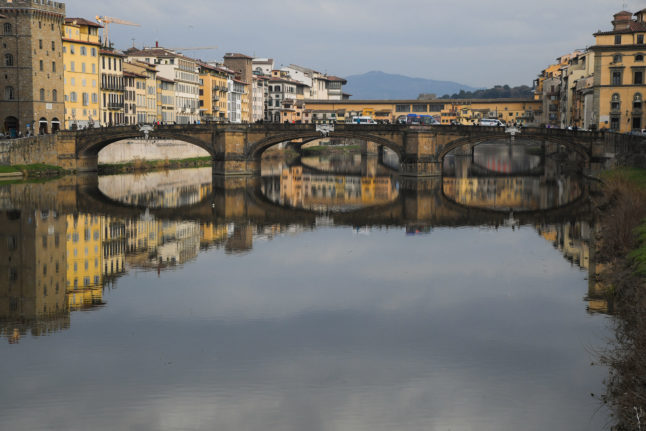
<point x="42" y="126"/>
<point x="56" y="125"/>
<point x="11" y="127"/>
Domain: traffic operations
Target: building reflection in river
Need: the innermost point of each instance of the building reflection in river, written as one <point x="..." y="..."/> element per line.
<point x="33" y="259"/>
<point x="576" y="241"/>
<point x="507" y="178"/>
<point x="328" y="192"/>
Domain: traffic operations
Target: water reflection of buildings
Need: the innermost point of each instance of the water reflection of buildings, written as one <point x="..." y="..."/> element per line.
<point x="158" y="189"/>
<point x="32" y="261"/>
<point x="574" y="241"/>
<point x="326" y="192"/>
<point x="512" y="193"/>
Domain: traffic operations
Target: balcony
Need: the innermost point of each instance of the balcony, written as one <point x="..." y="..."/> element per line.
<point x="115" y="105"/>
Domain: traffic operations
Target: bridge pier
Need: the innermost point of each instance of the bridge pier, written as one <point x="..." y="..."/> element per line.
<point x="420" y="167"/>
<point x="236" y="167"/>
<point x="87" y="163"/>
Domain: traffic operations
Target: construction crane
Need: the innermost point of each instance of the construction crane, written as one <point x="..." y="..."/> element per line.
<point x="201" y="48"/>
<point x="106" y="21"/>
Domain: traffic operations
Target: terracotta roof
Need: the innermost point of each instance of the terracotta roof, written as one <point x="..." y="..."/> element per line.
<point x="133" y="75"/>
<point x="82" y="21"/>
<point x="336" y="78"/>
<point x="236" y="55"/>
<point x="633" y="27"/>
<point x="112" y="52"/>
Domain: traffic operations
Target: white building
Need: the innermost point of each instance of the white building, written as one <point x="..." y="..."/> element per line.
<point x="184" y="72"/>
<point x="234" y="104"/>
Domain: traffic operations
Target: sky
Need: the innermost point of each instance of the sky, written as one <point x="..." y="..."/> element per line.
<point x="473" y="42"/>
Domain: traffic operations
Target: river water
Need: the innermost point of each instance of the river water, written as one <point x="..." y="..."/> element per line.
<point x="327" y="294"/>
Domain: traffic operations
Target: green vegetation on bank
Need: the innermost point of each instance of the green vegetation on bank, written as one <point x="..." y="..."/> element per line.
<point x="621" y="254"/>
<point x="34" y="170"/>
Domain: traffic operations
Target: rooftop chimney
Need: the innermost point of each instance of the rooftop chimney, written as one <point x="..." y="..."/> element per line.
<point x="622" y="20"/>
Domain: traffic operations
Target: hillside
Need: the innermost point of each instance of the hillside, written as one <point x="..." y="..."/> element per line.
<point x="380" y="85"/>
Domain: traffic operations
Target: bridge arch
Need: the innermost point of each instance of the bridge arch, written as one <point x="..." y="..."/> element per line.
<point x="90" y="142"/>
<point x="254" y="151"/>
<point x="566" y="141"/>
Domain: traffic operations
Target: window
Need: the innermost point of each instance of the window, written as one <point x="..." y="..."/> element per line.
<point x="639" y="57"/>
<point x="83" y="67"/>
<point x="40" y="44"/>
<point x="8" y="60"/>
<point x="7" y="28"/>
<point x="42" y="94"/>
<point x="73" y="96"/>
<point x="637" y="101"/>
<point x="53" y="46"/>
<point x="40" y="65"/>
<point x="402" y="108"/>
<point x="86" y="99"/>
<point x="617" y="39"/>
<point x="615" y="103"/>
<point x="54" y="96"/>
<point x="83" y="50"/>
<point x="616" y="77"/>
<point x="53" y="66"/>
<point x="640" y="39"/>
<point x="72" y="67"/>
<point x="638" y="77"/>
<point x="8" y="93"/>
<point x="71" y="49"/>
<point x="93" y="52"/>
<point x="93" y="68"/>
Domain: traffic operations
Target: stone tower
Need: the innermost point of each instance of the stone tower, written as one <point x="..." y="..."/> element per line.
<point x="31" y="66"/>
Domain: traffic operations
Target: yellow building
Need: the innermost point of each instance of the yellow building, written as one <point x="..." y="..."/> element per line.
<point x="112" y="87"/>
<point x="81" y="72"/>
<point x="84" y="260"/>
<point x="136" y="78"/>
<point x="619" y="79"/>
<point x="208" y="93"/>
<point x="451" y="111"/>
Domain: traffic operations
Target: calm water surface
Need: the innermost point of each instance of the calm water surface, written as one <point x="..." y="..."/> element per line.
<point x="328" y="294"/>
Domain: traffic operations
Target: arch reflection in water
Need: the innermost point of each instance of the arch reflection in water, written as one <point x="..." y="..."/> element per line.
<point x="509" y="177"/>
<point x="165" y="189"/>
<point x="330" y="184"/>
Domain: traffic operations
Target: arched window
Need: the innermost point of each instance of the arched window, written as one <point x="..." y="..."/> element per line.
<point x="639" y="57"/>
<point x="54" y="96"/>
<point x="615" y="103"/>
<point x="8" y="60"/>
<point x="7" y="28"/>
<point x="8" y="93"/>
<point x="42" y="94"/>
<point x="637" y="101"/>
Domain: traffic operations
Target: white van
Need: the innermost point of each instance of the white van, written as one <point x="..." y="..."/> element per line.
<point x="491" y="122"/>
<point x="363" y="120"/>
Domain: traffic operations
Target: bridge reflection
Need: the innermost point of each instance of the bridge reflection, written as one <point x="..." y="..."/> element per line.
<point x="68" y="240"/>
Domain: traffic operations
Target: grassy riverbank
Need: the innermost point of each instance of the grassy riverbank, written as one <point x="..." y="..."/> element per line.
<point x="34" y="170"/>
<point x="622" y="253"/>
<point x="147" y="165"/>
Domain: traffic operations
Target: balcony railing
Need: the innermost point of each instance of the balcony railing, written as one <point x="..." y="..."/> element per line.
<point x="115" y="105"/>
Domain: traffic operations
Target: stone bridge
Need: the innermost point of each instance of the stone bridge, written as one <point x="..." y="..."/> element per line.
<point x="237" y="149"/>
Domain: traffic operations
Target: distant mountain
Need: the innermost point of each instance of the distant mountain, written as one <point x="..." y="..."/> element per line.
<point x="380" y="85"/>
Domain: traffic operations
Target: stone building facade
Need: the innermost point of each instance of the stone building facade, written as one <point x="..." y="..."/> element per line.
<point x="31" y="66"/>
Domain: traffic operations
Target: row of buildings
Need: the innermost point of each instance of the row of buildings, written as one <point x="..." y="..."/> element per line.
<point x="58" y="74"/>
<point x="603" y="86"/>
